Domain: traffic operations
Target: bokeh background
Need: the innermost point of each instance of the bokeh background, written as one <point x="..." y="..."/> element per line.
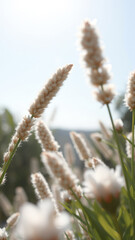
<point x="39" y="36"/>
<point x="36" y="38"/>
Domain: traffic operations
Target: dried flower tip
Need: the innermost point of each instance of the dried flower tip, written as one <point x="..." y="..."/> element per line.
<point x="12" y="220"/>
<point x="96" y="136"/>
<point x="70" y="235"/>
<point x="105" y="131"/>
<point x="130" y="95"/>
<point x="99" y="76"/>
<point x="105" y="96"/>
<point x="45" y="137"/>
<point x="60" y="170"/>
<point x="118" y="125"/>
<point x="40" y="186"/>
<point x="23" y="129"/>
<point x="49" y="91"/>
<point x="90" y="43"/>
<point x="3" y="234"/>
<point x="80" y="146"/>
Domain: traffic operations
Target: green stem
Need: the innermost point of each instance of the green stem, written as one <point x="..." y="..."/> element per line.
<point x="132" y="160"/>
<point x="132" y="209"/>
<point x="6" y="165"/>
<point x="125" y="137"/>
<point x="116" y="224"/>
<point x="118" y="145"/>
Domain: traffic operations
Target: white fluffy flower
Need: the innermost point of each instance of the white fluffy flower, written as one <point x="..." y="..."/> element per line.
<point x="103" y="183"/>
<point x="40" y="222"/>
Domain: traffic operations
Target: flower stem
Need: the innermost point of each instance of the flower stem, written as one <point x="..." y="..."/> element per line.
<point x="118" y="145"/>
<point x="132" y="160"/>
<point x="6" y="165"/>
<point x="127" y="139"/>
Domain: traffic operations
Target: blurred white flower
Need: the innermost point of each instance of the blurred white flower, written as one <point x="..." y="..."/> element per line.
<point x="3" y="234"/>
<point x="39" y="222"/>
<point x="103" y="183"/>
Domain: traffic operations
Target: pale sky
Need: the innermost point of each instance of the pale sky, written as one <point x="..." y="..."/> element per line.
<point x="39" y="36"/>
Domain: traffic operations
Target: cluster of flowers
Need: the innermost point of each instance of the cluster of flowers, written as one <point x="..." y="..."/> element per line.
<point x="47" y="220"/>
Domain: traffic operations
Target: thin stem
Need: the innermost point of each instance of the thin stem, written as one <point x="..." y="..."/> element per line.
<point x="132" y="160"/>
<point x="118" y="145"/>
<point x="127" y="139"/>
<point x="6" y="165"/>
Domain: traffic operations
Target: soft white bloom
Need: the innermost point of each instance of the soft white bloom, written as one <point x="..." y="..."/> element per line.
<point x="40" y="222"/>
<point x="3" y="234"/>
<point x="103" y="183"/>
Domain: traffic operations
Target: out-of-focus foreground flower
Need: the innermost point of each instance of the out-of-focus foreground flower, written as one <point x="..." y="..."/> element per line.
<point x="39" y="222"/>
<point x="104" y="184"/>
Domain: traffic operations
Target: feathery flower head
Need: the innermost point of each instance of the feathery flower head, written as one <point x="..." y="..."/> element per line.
<point x="96" y="136"/>
<point x="80" y="146"/>
<point x="61" y="171"/>
<point x="105" y="96"/>
<point x="45" y="137"/>
<point x="11" y="146"/>
<point x="90" y="43"/>
<point x="69" y="154"/>
<point x="23" y="129"/>
<point x="100" y="76"/>
<point x="57" y="196"/>
<point x="102" y="147"/>
<point x="13" y="219"/>
<point x="3" y="234"/>
<point x="49" y="91"/>
<point x="40" y="222"/>
<point x="105" y="131"/>
<point x="130" y="95"/>
<point x="104" y="184"/>
<point x="42" y="189"/>
<point x="40" y="186"/>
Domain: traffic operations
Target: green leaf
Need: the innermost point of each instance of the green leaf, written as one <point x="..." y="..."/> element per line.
<point x="93" y="218"/>
<point x="132" y="192"/>
<point x="124" y="192"/>
<point x="126" y="216"/>
<point x="115" y="235"/>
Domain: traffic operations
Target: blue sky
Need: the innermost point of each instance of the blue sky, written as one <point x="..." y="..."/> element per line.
<point x="39" y="36"/>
